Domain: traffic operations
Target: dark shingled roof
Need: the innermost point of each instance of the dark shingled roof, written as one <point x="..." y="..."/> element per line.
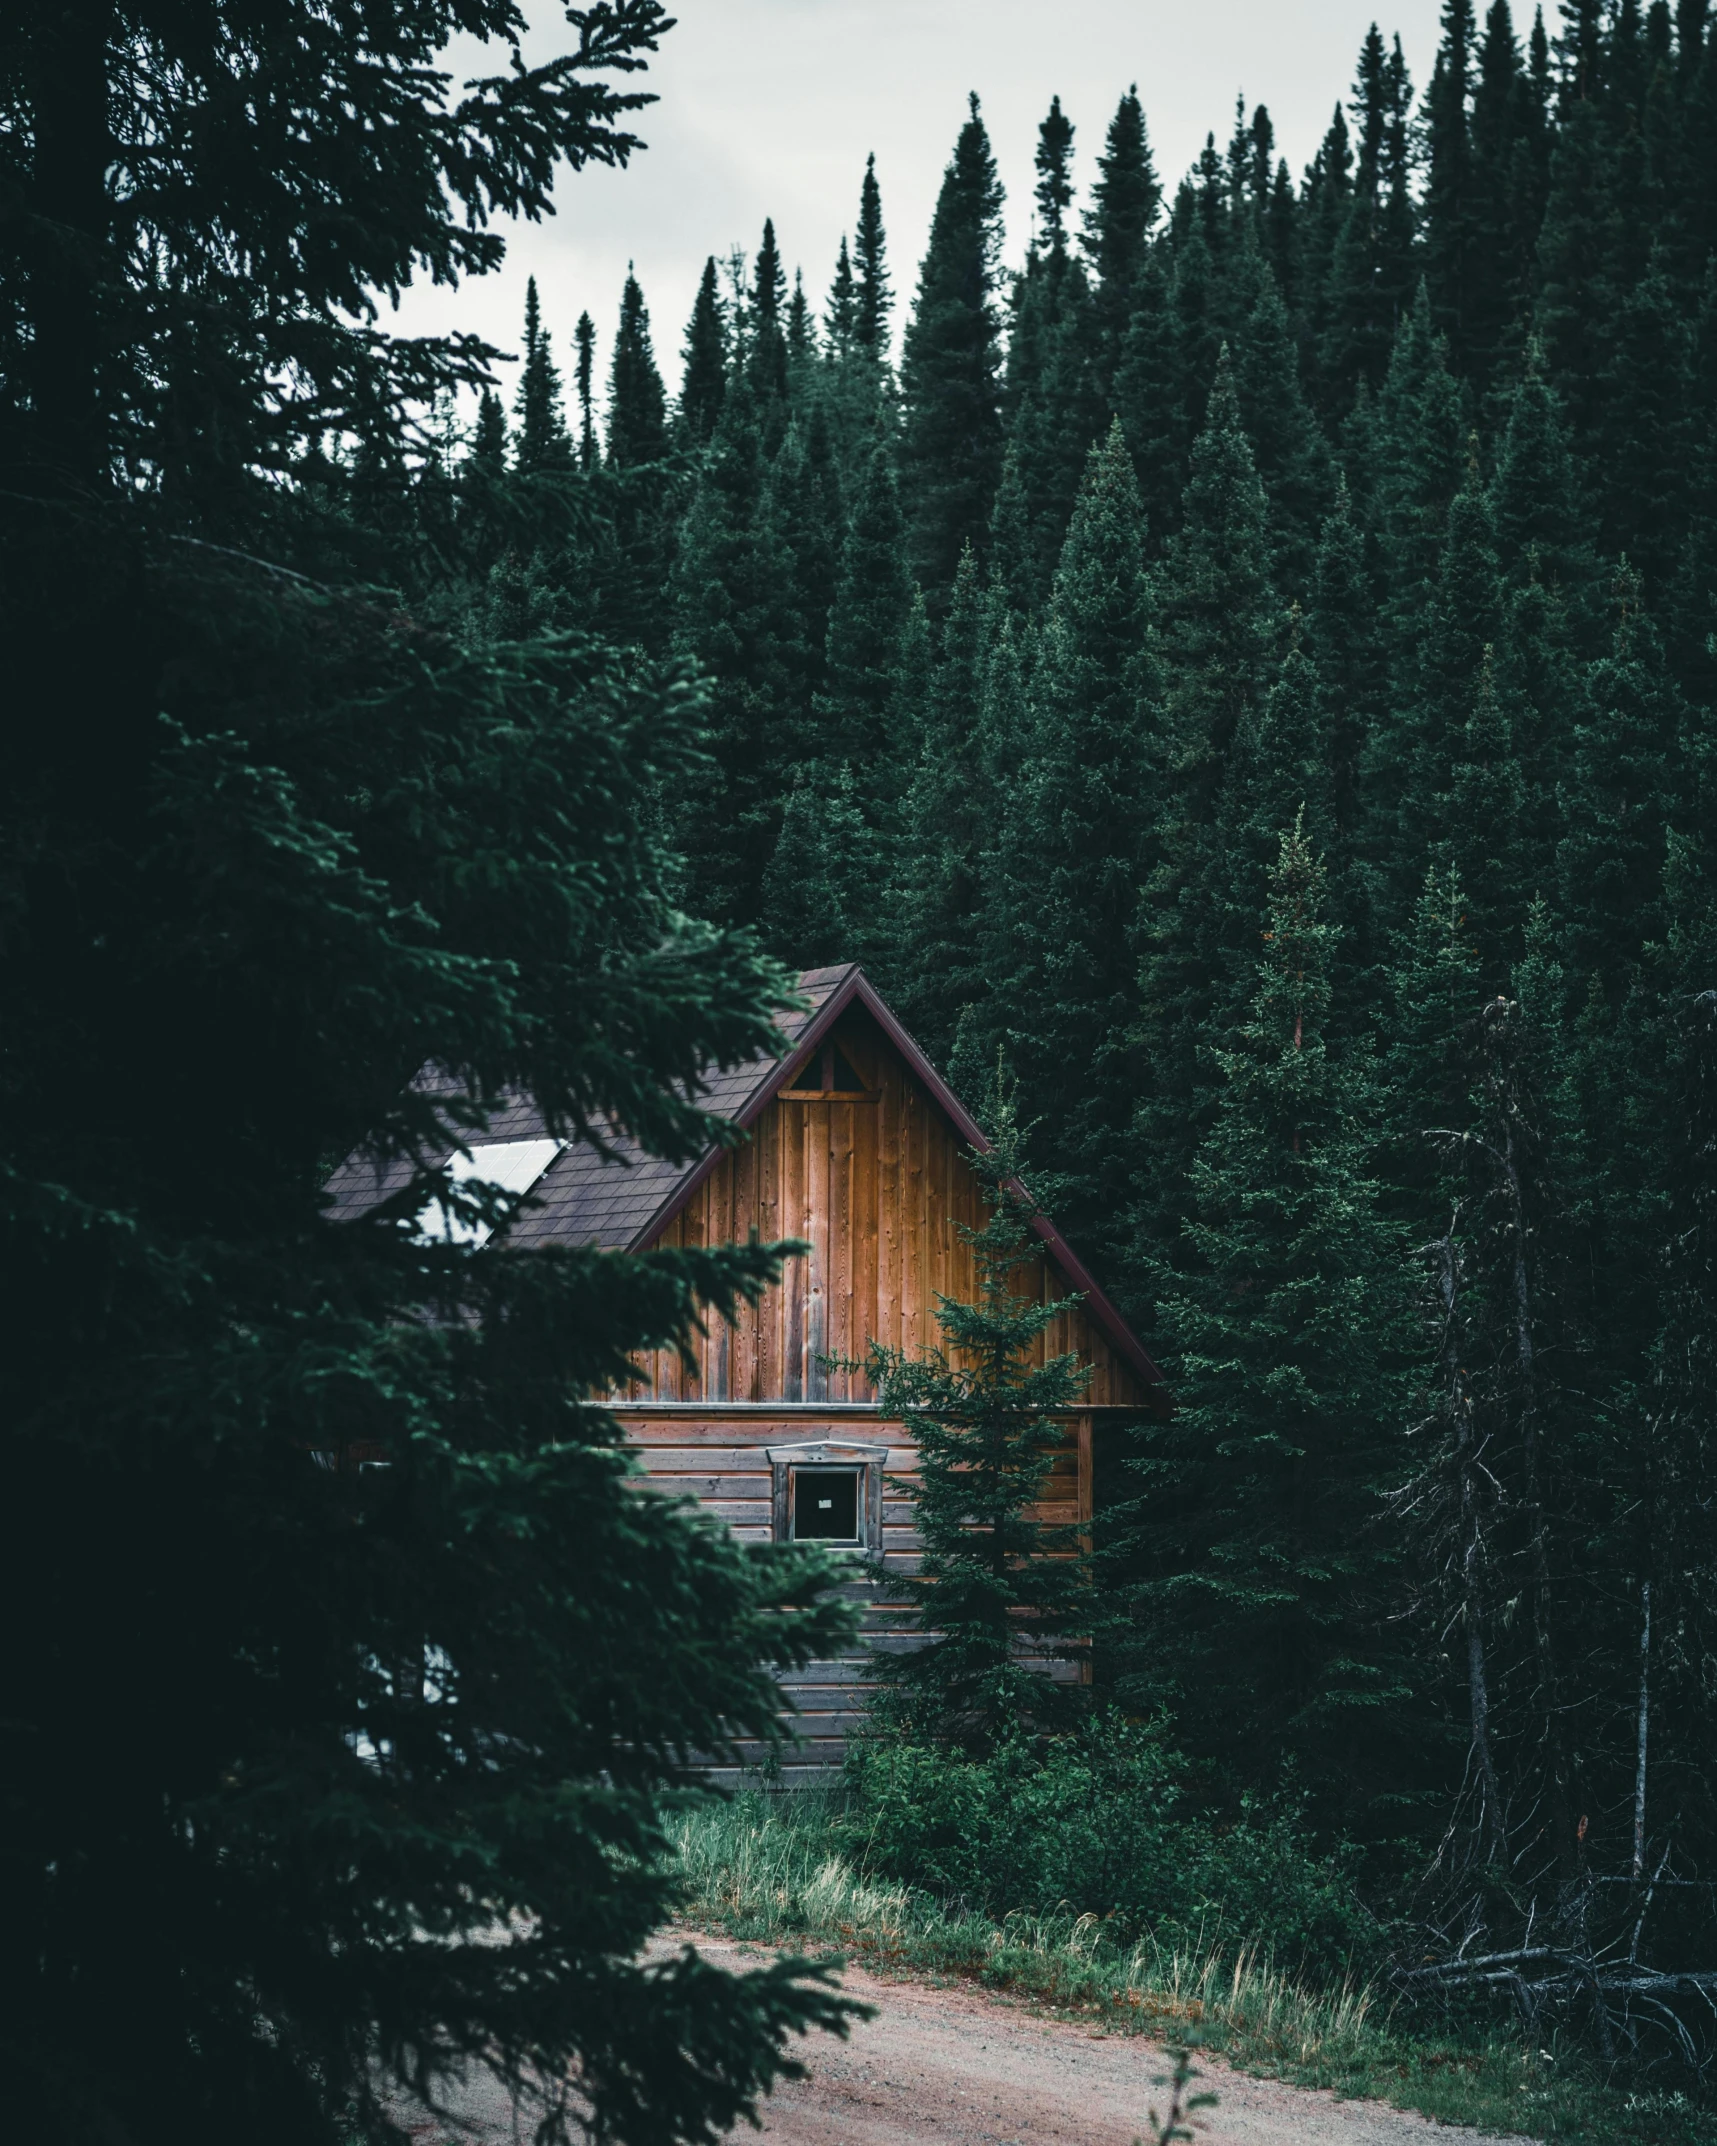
<point x="586" y="1197"/>
<point x="624" y="1200"/>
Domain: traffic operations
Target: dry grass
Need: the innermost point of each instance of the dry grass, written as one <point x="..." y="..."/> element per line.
<point x="766" y="1869"/>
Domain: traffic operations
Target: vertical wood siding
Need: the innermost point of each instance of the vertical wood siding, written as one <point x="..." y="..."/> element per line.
<point x="878" y="1190"/>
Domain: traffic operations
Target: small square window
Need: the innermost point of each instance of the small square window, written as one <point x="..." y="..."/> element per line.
<point x="826" y="1505"/>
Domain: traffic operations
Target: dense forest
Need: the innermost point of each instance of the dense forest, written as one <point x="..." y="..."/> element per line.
<point x="1247" y="675"/>
<point x="1253" y="666"/>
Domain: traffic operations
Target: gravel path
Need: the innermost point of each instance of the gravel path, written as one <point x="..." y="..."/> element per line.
<point x="956" y="2067"/>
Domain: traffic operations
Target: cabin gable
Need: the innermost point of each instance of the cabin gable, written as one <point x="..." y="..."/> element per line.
<point x="876" y="1179"/>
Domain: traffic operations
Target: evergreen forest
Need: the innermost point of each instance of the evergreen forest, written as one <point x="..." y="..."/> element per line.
<point x="1252" y="665"/>
<point x="1242" y="680"/>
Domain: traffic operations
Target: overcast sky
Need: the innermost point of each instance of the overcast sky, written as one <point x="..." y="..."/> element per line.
<point x="769" y="108"/>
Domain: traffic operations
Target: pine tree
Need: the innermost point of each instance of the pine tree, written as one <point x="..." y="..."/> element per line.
<point x="819" y="890"/>
<point x="1054" y="413"/>
<point x="1611" y="858"/>
<point x="867" y="628"/>
<point x="1346" y="646"/>
<point x="1150" y="394"/>
<point x="704" y="384"/>
<point x="637" y="405"/>
<point x="766" y="357"/>
<point x="840" y="316"/>
<point x="421" y="1663"/>
<point x="1076" y="843"/>
<point x="1371" y="268"/>
<point x="1054" y="166"/>
<point x="1001" y="1592"/>
<point x="726" y="583"/>
<point x="489" y="438"/>
<point x="1262" y="1613"/>
<point x="1125" y="203"/>
<point x="1217" y="636"/>
<point x="1452" y="262"/>
<point x="1419" y="463"/>
<point x="585" y="340"/>
<point x="949" y="823"/>
<point x="874" y="299"/>
<point x="540" y="442"/>
<point x="1288" y="448"/>
<point x="952" y="442"/>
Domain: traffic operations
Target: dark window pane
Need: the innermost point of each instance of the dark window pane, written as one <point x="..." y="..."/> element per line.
<point x="826" y="1504"/>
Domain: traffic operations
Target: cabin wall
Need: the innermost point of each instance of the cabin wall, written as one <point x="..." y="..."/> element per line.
<point x="878" y="1189"/>
<point x="720" y="1458"/>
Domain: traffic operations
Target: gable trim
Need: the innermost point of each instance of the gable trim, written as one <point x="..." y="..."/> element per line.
<point x="854" y="988"/>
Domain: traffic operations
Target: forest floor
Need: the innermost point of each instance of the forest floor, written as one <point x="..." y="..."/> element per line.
<point x="945" y="2064"/>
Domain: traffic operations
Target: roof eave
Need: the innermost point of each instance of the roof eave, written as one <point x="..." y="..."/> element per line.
<point x="855" y="987"/>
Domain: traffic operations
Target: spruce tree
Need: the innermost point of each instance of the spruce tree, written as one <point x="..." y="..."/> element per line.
<point x="1288" y="448"/>
<point x="1371" y="268"/>
<point x="416" y="1662"/>
<point x="949" y="822"/>
<point x="725" y="589"/>
<point x="840" y="316"/>
<point x="704" y="384"/>
<point x="766" y="357"/>
<point x="867" y="628"/>
<point x="1001" y="1593"/>
<point x="540" y="442"/>
<point x="1612" y="854"/>
<point x="1452" y="259"/>
<point x="489" y="437"/>
<point x="818" y="904"/>
<point x="873" y="297"/>
<point x="952" y="444"/>
<point x="1054" y="166"/>
<point x="1077" y="843"/>
<point x="585" y="338"/>
<point x="637" y="405"/>
<point x="1262" y="1613"/>
<point x="1125" y="202"/>
<point x="1217" y="631"/>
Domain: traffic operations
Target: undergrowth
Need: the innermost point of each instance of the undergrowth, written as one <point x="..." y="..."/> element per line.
<point x="784" y="1869"/>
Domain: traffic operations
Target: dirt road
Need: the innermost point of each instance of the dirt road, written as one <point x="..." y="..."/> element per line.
<point x="952" y="2067"/>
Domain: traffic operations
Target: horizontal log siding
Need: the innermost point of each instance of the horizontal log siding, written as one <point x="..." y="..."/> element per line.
<point x="722" y="1463"/>
<point x="878" y="1190"/>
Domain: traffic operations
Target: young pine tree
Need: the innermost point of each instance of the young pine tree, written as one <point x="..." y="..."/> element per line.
<point x="1261" y="1611"/>
<point x="1000" y="1594"/>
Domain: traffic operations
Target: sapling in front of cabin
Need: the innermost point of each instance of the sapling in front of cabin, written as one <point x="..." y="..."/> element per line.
<point x="1002" y="1597"/>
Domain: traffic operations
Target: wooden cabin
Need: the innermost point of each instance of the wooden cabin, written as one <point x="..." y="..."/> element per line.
<point x="856" y="1146"/>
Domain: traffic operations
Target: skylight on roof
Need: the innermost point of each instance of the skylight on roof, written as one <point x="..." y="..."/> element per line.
<point x="511" y="1166"/>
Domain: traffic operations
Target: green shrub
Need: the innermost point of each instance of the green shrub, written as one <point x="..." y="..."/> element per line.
<point x="1100" y="1822"/>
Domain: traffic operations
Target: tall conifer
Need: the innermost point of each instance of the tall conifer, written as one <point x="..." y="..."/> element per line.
<point x="539" y="441"/>
<point x="1286" y="1319"/>
<point x="637" y="405"/>
<point x="704" y="382"/>
<point x="1125" y="201"/>
<point x="951" y="374"/>
<point x="874" y="297"/>
<point x="1078" y="841"/>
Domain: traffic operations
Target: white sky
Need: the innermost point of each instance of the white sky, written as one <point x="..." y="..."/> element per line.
<point x="769" y="107"/>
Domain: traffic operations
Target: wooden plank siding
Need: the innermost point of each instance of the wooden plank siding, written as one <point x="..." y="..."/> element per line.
<point x="878" y="1189"/>
<point x="719" y="1458"/>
